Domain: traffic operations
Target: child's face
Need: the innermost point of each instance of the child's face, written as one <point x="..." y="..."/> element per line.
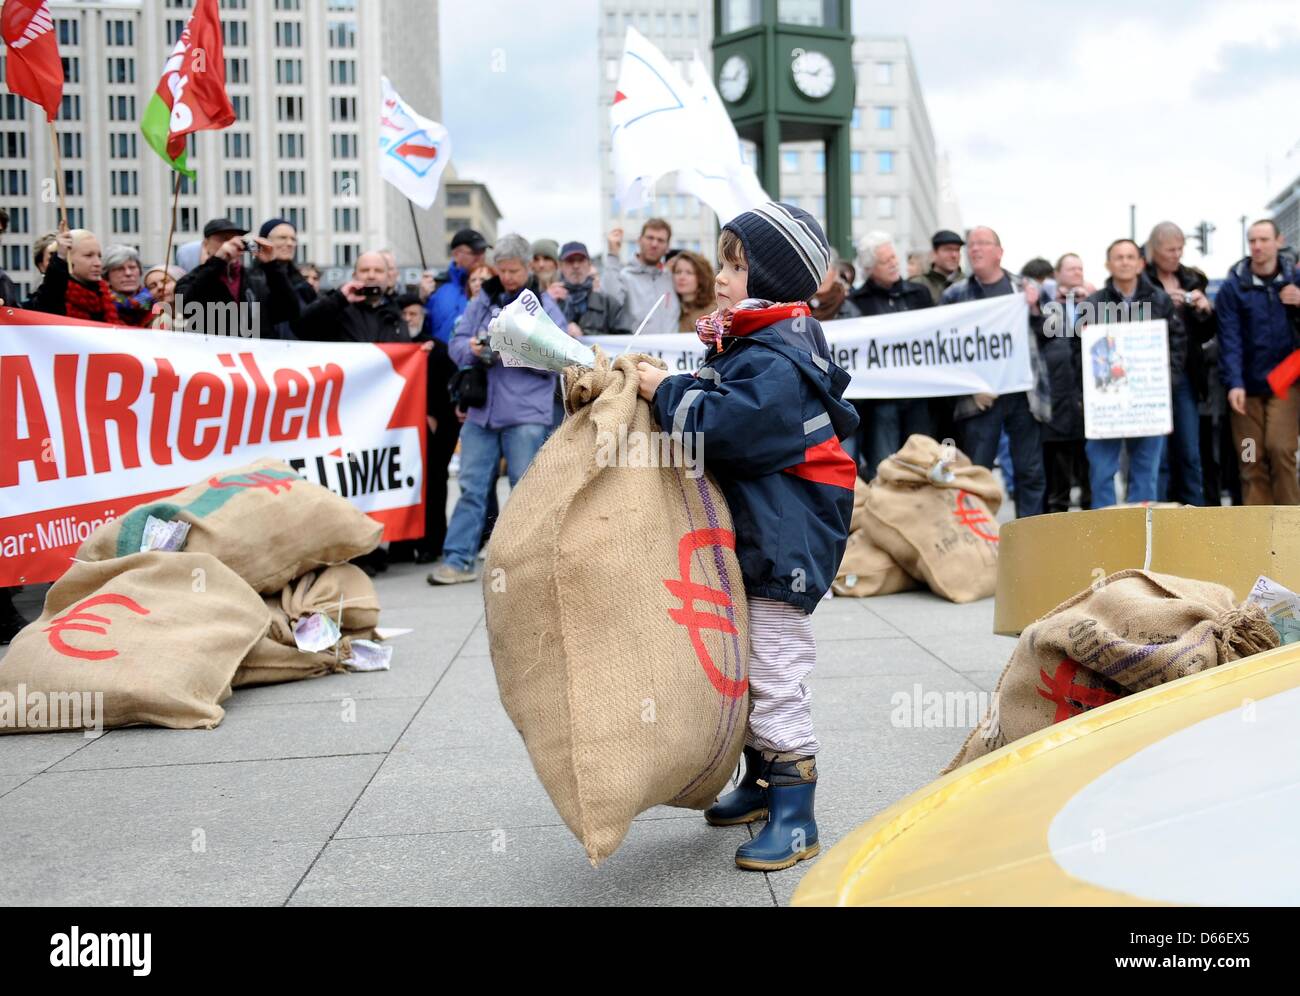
<point x="732" y="283"/>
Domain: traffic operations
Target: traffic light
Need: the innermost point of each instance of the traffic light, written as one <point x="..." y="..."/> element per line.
<point x="1201" y="233"/>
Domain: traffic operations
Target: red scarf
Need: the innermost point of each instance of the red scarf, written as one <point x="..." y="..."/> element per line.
<point x="94" y="303"/>
<point x="751" y="314"/>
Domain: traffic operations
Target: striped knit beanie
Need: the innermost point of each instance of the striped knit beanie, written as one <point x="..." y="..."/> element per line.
<point x="787" y="253"/>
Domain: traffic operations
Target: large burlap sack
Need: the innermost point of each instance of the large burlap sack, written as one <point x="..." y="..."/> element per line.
<point x="160" y="635"/>
<point x="344" y="593"/>
<point x="1132" y="630"/>
<point x="617" y="619"/>
<point x="934" y="512"/>
<point x="262" y="521"/>
<point x="866" y="569"/>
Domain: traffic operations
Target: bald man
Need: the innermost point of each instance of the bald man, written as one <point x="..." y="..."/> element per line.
<point x="361" y="310"/>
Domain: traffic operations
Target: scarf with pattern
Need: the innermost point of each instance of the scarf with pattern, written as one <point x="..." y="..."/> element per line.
<point x="713" y="327"/>
<point x="134" y="309"/>
<point x="94" y="302"/>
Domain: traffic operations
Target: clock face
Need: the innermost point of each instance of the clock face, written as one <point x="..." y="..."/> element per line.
<point x="733" y="81"/>
<point x="814" y="74"/>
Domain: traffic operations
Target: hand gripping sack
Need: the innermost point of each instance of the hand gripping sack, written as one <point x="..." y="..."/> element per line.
<point x="933" y="511"/>
<point x="160" y="635"/>
<point x="1131" y="631"/>
<point x="866" y="569"/>
<point x="262" y="521"/>
<point x="616" y="616"/>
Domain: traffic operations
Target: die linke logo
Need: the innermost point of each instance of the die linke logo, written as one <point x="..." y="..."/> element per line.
<point x="972" y="517"/>
<point x="257" y="479"/>
<point x="695" y="621"/>
<point x="78" y="618"/>
<point x="1071" y="699"/>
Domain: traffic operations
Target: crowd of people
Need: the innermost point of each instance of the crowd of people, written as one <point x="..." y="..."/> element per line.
<point x="1233" y="438"/>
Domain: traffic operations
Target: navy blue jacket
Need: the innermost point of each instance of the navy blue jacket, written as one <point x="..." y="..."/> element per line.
<point x="770" y="411"/>
<point x="1256" y="330"/>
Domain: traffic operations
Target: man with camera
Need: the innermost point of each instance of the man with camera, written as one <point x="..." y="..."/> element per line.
<point x="232" y="297"/>
<point x="510" y="408"/>
<point x="361" y="310"/>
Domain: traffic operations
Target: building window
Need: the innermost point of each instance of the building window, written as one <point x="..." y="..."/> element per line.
<point x="291" y="145"/>
<point x="343" y="108"/>
<point x="855" y="162"/>
<point x="14" y="145"/>
<point x="235" y="32"/>
<point x="125" y="183"/>
<point x="237" y="70"/>
<point x="13" y="107"/>
<point x="119" y="33"/>
<point x="676" y="21"/>
<point x="343" y="34"/>
<point x="288" y="34"/>
<point x="121" y="108"/>
<point x="175" y="28"/>
<point x="296" y="216"/>
<point x="288" y="4"/>
<point x="819" y="161"/>
<point x="239" y="182"/>
<point x="661" y="24"/>
<point x="856" y="120"/>
<point x="18" y="221"/>
<point x="790" y="161"/>
<point x="70" y="110"/>
<point x="344" y="145"/>
<point x="347" y="219"/>
<point x="238" y="145"/>
<point x="855" y="205"/>
<point x="884" y="207"/>
<point x="884" y="118"/>
<point x="16" y="257"/>
<point x="289" y="109"/>
<point x="120" y="70"/>
<point x="239" y="104"/>
<point x="242" y="216"/>
<point x="611" y="23"/>
<point x="884" y="162"/>
<point x="884" y="74"/>
<point x="457" y="198"/>
<point x="72" y="69"/>
<point x="189" y="186"/>
<point x="347" y="183"/>
<point x="73" y="184"/>
<point x="692" y="24"/>
<point x="288" y="70"/>
<point x="343" y="72"/>
<point x="188" y="219"/>
<point x="126" y="221"/>
<point x="121" y="145"/>
<point x="293" y="182"/>
<point x="345" y="253"/>
<point x="69" y="32"/>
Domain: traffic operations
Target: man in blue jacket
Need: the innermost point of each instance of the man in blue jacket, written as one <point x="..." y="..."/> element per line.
<point x="514" y="421"/>
<point x="448" y="302"/>
<point x="1259" y="318"/>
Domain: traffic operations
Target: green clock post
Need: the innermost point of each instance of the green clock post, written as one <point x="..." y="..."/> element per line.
<point x="784" y="69"/>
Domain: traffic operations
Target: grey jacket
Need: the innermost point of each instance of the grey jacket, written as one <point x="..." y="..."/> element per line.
<point x="633" y="290"/>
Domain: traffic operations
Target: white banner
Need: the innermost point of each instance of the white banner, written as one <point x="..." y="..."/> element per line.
<point x="980" y="347"/>
<point x="96" y="419"/>
<point x="1126" y="389"/>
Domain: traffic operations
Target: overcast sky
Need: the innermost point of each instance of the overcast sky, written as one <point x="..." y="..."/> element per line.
<point x="1056" y="116"/>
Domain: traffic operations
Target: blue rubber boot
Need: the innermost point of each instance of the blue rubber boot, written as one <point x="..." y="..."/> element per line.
<point x="791" y="832"/>
<point x="747" y="803"/>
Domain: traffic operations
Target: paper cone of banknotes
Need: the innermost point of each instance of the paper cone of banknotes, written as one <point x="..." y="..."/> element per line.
<point x="524" y="335"/>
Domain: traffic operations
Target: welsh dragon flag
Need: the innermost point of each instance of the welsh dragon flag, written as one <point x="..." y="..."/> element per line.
<point x="191" y="96"/>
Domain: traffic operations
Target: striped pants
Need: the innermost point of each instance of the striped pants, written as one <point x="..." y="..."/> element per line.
<point x="781" y="655"/>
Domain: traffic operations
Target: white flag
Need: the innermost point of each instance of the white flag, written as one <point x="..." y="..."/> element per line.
<point x="413" y="151"/>
<point x="661" y="124"/>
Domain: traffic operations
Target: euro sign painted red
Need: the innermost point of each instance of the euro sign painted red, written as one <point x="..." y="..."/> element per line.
<point x="257" y="479"/>
<point x="1070" y="699"/>
<point x="78" y="618"/>
<point x="695" y="621"/>
<point x="972" y="517"/>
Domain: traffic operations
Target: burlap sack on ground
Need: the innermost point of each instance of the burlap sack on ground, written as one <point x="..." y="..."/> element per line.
<point x="617" y="619"/>
<point x="262" y="521"/>
<point x="934" y="512"/>
<point x="1133" y="630"/>
<point x="344" y="593"/>
<point x="866" y="569"/>
<point x="159" y="634"/>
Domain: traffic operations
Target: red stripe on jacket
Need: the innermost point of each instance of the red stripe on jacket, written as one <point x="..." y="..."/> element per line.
<point x="827" y="463"/>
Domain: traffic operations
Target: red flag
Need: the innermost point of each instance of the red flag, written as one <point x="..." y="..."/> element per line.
<point x="32" y="67"/>
<point x="193" y="84"/>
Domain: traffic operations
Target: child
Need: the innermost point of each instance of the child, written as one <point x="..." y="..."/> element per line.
<point x="767" y="404"/>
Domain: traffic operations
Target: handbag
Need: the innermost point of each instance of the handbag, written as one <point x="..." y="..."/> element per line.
<point x="468" y="386"/>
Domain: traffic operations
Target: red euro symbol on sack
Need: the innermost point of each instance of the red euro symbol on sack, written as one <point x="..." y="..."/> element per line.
<point x="257" y="479"/>
<point x="1071" y="699"/>
<point x="695" y="622"/>
<point x="79" y="619"/>
<point x="971" y="517"/>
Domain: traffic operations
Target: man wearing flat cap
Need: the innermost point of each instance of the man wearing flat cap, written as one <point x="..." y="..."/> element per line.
<point x="946" y="268"/>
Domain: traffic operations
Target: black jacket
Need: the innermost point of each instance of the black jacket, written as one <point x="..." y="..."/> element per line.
<point x="1201" y="329"/>
<point x="1161" y="305"/>
<point x="333" y="318"/>
<point x="1060" y="353"/>
<point x="268" y="288"/>
<point x="872" y="299"/>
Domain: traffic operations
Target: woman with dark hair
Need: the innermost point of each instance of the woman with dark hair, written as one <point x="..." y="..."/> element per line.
<point x="693" y="282"/>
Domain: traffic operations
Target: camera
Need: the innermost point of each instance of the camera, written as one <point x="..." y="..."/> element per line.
<point x="251" y="244"/>
<point x="370" y="293"/>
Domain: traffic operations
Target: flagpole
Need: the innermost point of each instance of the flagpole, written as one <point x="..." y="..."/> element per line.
<point x="58" y="176"/>
<point x="423" y="265"/>
<point x="176" y="196"/>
